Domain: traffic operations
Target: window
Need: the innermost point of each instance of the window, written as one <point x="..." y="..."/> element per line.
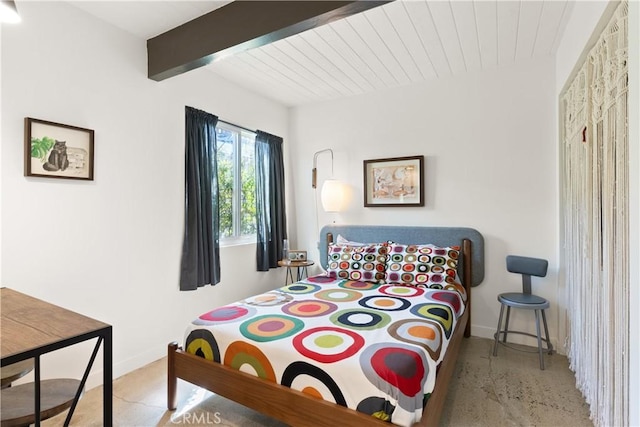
<point x="236" y="183"/>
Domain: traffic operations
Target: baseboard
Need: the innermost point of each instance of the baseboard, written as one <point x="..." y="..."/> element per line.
<point x="126" y="366"/>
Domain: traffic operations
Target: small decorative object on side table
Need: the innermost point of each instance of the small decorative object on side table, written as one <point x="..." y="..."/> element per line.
<point x="301" y="269"/>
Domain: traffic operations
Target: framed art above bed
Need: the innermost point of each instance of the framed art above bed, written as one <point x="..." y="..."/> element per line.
<point x="397" y="181"/>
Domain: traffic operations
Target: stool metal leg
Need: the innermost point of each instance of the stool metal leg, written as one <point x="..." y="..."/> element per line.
<point x="546" y="333"/>
<point x="506" y="324"/>
<point x="495" y="344"/>
<point x="539" y="340"/>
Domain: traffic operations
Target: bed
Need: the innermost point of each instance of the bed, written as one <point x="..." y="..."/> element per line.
<point x="217" y="364"/>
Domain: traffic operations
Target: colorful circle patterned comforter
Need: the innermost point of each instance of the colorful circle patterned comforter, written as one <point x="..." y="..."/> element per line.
<point x="370" y="347"/>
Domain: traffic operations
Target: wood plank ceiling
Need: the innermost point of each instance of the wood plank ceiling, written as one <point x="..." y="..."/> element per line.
<point x="240" y="26"/>
<point x="400" y="43"/>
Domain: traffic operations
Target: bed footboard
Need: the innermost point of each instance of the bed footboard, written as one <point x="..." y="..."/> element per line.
<point x="277" y="401"/>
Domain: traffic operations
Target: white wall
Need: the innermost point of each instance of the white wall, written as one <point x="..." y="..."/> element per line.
<point x="1" y="97"/>
<point x="110" y="248"/>
<point x="580" y="28"/>
<point x="634" y="210"/>
<point x="489" y="142"/>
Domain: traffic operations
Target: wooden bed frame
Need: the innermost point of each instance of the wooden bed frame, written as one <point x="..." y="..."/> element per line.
<point x="298" y="409"/>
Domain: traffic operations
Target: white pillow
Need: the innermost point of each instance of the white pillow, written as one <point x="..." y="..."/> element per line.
<point x="341" y="241"/>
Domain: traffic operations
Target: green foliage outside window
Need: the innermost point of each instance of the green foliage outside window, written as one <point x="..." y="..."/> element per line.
<point x="248" y="223"/>
<point x="225" y="197"/>
<point x="227" y="147"/>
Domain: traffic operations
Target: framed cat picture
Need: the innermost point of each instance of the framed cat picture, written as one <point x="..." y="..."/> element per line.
<point x="54" y="150"/>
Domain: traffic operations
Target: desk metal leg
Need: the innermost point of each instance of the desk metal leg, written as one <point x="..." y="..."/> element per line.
<point x="107" y="378"/>
<point x="36" y="386"/>
<point x="83" y="382"/>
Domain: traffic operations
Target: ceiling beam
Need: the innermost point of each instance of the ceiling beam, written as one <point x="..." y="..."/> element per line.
<point x="239" y="26"/>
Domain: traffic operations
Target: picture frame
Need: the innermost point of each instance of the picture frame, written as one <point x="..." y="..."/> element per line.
<point x="395" y="181"/>
<point x="56" y="150"/>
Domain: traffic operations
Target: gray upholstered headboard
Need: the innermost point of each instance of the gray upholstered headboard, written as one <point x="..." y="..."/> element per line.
<point x="440" y="236"/>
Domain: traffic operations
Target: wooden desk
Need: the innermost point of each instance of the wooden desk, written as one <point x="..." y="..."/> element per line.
<point x="300" y="265"/>
<point x="30" y="328"/>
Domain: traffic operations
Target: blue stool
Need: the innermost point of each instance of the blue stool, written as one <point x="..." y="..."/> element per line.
<point x="527" y="267"/>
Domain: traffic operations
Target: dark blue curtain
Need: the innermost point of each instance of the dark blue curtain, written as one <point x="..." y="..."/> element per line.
<point x="200" y="249"/>
<point x="270" y="200"/>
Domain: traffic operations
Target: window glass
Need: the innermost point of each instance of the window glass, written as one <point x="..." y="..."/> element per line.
<point x="236" y="183"/>
<point x="248" y="168"/>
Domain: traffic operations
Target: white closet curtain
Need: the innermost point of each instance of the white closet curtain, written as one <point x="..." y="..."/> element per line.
<point x="595" y="190"/>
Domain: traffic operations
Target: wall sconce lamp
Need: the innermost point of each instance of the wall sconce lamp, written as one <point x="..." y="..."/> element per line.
<point x="332" y="196"/>
<point x="9" y="12"/>
<point x="314" y="171"/>
<point x="332" y="193"/>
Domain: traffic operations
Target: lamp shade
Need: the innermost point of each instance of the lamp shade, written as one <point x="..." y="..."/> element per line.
<point x="332" y="196"/>
<point x="9" y="12"/>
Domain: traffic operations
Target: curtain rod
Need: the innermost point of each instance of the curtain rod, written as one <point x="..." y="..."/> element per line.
<point x="238" y="126"/>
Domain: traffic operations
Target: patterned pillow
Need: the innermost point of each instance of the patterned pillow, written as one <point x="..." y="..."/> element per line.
<point x="361" y="263"/>
<point x="425" y="266"/>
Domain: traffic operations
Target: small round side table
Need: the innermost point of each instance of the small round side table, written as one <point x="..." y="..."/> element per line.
<point x="301" y="267"/>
